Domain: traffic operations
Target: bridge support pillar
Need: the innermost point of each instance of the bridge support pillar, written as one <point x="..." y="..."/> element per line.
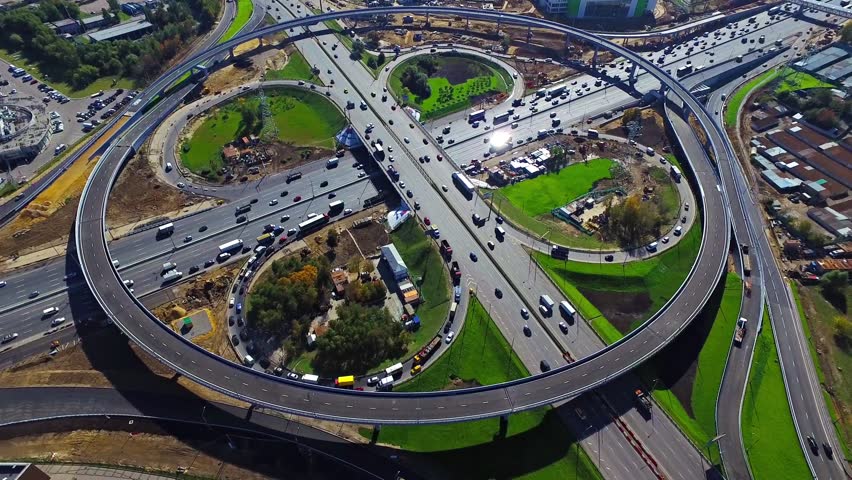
<point x="427" y="18"/>
<point x="595" y="59"/>
<point x="504" y="426"/>
<point x="260" y="41"/>
<point x="375" y="436"/>
<point x="632" y="78"/>
<point x="529" y="33"/>
<point x="231" y="52"/>
<point x="498" y="24"/>
<point x="468" y="23"/>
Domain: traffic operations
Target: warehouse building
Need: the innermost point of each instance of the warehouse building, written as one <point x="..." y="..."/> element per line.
<point x="134" y="29"/>
<point x="598" y="8"/>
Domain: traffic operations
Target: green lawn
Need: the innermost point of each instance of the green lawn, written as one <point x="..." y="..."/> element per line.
<point x="770" y="439"/>
<point x="244" y="11"/>
<point x="528" y="204"/>
<point x="103" y="83"/>
<point x="794" y="80"/>
<point x="540" y="195"/>
<point x="297" y="68"/>
<point x="8" y="188"/>
<point x="303" y="118"/>
<point x="736" y="100"/>
<point x="835" y="360"/>
<point x="537" y="445"/>
<point x="655" y="279"/>
<point x="446" y="98"/>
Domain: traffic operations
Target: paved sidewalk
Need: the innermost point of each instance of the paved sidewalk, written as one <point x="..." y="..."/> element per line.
<point x="85" y="472"/>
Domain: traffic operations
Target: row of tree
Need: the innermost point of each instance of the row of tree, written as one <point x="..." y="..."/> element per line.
<point x="78" y="63"/>
<point x="820" y="107"/>
<point x="632" y="221"/>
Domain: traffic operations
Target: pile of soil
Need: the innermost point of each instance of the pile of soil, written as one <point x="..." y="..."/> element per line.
<point x="621" y="310"/>
<point x="458" y="70"/>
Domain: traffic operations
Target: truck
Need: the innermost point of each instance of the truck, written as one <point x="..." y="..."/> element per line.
<point x="740" y="332"/>
<point x="266" y="238"/>
<point x="242" y="209"/>
<point x="385" y="384"/>
<point x="426" y="352"/>
<point x="171" y="276"/>
<point x="335" y="207"/>
<point x="567" y="310"/>
<point x="455" y="272"/>
<point x="642" y="399"/>
<point x="453" y="308"/>
<point x="393" y="173"/>
<point x="464" y="184"/>
<point x="165" y="230"/>
<point x="230" y="246"/>
<point x="394" y="370"/>
<point x="169" y="266"/>
<point x="446" y="250"/>
<point x="476" y="116"/>
<point x="332" y="163"/>
<point x="684" y="70"/>
<point x="379" y="151"/>
<point x="346" y="381"/>
<point x="547" y="302"/>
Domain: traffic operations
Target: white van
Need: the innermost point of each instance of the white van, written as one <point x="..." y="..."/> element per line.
<point x="309" y="378"/>
<point x="249" y="360"/>
<point x="678" y="230"/>
<point x="59" y="149"/>
<point x="500" y="232"/>
<point x="652" y="247"/>
<point x="49" y="311"/>
<point x="168" y="166"/>
<point x="231" y="302"/>
<point x="57" y="321"/>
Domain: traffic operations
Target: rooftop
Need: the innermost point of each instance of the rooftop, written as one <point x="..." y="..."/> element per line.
<point x="120" y="30"/>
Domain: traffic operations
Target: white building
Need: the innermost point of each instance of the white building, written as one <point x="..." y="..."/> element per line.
<point x="395" y="262"/>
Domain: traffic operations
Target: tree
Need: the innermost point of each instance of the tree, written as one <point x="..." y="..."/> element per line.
<point x="417" y="82"/>
<point x="373" y="40"/>
<point x="371" y="62"/>
<point x="833" y="285"/>
<point x="631" y="221"/>
<point x="358" y="48"/>
<point x="84" y="76"/>
<point x="382" y="59"/>
<point x="428" y="65"/>
<point x="114" y="5"/>
<point x="846" y="34"/>
<point x="332" y="239"/>
<point x="506" y="42"/>
<point x="842" y="331"/>
<point x="250" y="117"/>
<point x="359" y="339"/>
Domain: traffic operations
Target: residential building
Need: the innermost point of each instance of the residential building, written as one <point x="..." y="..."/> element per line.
<point x="597" y="8"/>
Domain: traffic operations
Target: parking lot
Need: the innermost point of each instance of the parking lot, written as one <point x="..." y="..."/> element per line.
<point x="72" y="130"/>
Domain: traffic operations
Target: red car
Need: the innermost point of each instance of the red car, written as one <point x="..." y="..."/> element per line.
<point x="440" y="157"/>
<point x="427" y="221"/>
<point x="297" y="198"/>
<point x="282" y="239"/>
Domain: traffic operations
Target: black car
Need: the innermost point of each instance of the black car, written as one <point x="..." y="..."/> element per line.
<point x="241" y="219"/>
<point x="243" y="335"/>
<point x="209" y="263"/>
<point x="473" y="256"/>
<point x="285" y="193"/>
<point x="332" y="195"/>
<point x="544" y="366"/>
<point x="242" y="290"/>
<point x="828" y="451"/>
<point x="498" y="292"/>
<point x="812" y="443"/>
<point x="240" y="322"/>
<point x="253" y="200"/>
<point x="194" y="268"/>
<point x="324" y="183"/>
<point x="235" y="340"/>
<point x="231" y="320"/>
<point x="527" y="331"/>
<point x="609" y="258"/>
<point x="447" y="327"/>
<point x="202" y="228"/>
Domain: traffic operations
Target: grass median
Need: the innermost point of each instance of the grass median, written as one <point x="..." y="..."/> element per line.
<point x="244" y="10"/>
<point x="771" y="443"/>
<point x="537" y="445"/>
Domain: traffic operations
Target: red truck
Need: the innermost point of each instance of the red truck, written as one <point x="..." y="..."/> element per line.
<point x="642" y="399"/>
<point x="427" y="351"/>
<point x="446" y="250"/>
<point x="455" y="272"/>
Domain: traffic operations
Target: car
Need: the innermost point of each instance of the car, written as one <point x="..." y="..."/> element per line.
<point x="209" y="263"/>
<point x="426" y="221"/>
<point x="194" y="269"/>
<point x="563" y="326"/>
<point x="828" y="451"/>
<point x="361" y="174"/>
<point x="683" y="219"/>
<point x="499" y="219"/>
<point x="498" y="293"/>
<point x="187" y="239"/>
<point x="444" y="188"/>
<point x="686" y="207"/>
<point x="401" y="184"/>
<point x="347" y="211"/>
<point x="372" y="381"/>
<point x="332" y="195"/>
<point x="34" y="294"/>
<point x="409" y="193"/>
<point x="9" y="337"/>
<point x="609" y="258"/>
<point x="3" y="282"/>
<point x="297" y="198"/>
<point x="450" y="336"/>
<point x="665" y="239"/>
<point x="235" y="340"/>
<point x="324" y="183"/>
<point x="812" y="443"/>
<point x="425" y="142"/>
<point x="285" y="193"/>
<point x="473" y="256"/>
<point x="544" y="366"/>
<point x="202" y="228"/>
<point x="527" y="330"/>
<point x="273" y="202"/>
<point x="525" y="313"/>
<point x="284" y="218"/>
<point x="491" y="245"/>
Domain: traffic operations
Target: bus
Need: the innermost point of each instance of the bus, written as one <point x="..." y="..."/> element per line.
<point x="335" y="207"/>
<point x="501" y="117"/>
<point x="557" y="91"/>
<point x="476" y="116"/>
<point x="379" y="151"/>
<point x="681" y="71"/>
<point x="165" y="230"/>
<point x="230" y="246"/>
<point x="243" y="209"/>
<point x="453" y="309"/>
<point x="746" y="265"/>
<point x="567" y="310"/>
<point x="775" y="10"/>
<point x="394" y="370"/>
<point x="346" y="381"/>
<point x="463" y="184"/>
<point x="312" y="224"/>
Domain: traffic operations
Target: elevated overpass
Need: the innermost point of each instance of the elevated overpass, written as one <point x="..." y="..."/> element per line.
<point x="394" y="408"/>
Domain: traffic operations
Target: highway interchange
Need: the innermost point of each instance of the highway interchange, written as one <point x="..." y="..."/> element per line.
<point x="582" y="345"/>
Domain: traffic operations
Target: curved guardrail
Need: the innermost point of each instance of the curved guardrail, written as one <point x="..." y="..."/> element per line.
<point x="381" y="407"/>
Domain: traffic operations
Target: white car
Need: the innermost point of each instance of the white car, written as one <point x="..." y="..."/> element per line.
<point x="273" y="202"/>
<point x="444" y="188"/>
<point x="406" y="140"/>
<point x="450" y="336"/>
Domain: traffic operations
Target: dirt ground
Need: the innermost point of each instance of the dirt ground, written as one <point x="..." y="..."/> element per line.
<point x="139" y="194"/>
<point x="209" y="291"/>
<point x="652" y="133"/>
<point x="370" y="238"/>
<point x="347" y="249"/>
